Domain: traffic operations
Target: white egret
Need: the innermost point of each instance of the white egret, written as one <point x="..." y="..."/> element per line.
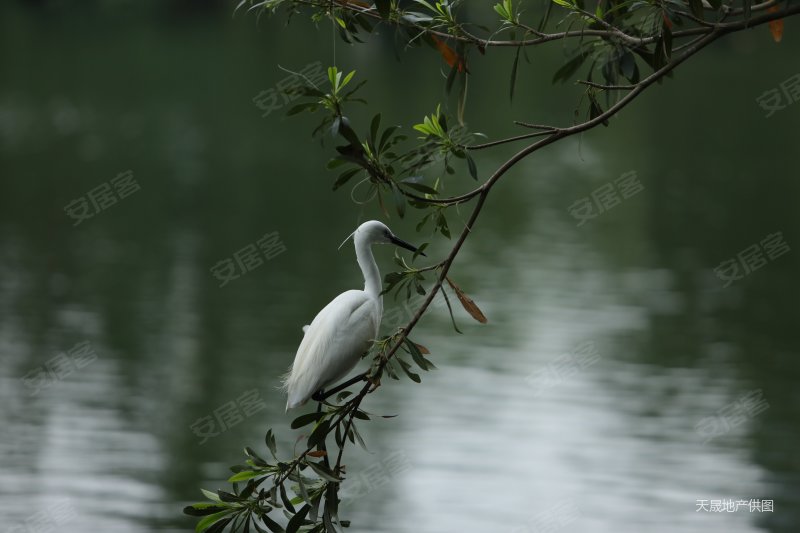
<point x="345" y="328"/>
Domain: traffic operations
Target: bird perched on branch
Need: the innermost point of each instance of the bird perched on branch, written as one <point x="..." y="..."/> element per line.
<point x="345" y="328"/>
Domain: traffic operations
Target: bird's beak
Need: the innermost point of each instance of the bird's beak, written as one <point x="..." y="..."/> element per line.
<point x="403" y="244"/>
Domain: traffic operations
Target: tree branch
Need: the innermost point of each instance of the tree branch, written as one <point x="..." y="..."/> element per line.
<point x="345" y="413"/>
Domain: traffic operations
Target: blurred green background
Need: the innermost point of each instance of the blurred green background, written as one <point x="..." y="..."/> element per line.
<point x="513" y="432"/>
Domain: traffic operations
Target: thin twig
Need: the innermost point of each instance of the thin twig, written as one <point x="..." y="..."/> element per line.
<point x="608" y="87"/>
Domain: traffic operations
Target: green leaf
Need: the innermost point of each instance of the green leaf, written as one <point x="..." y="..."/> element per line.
<point x="354" y="90"/>
<point x="342" y="395"/>
<point x="244" y="475"/>
<point x="335" y="163"/>
<point x="254" y="456"/>
<point x="271" y="524"/>
<point x="203" y="509"/>
<point x="663" y="49"/>
<point x="407" y="369"/>
<point x="344" y="177"/>
<point x="441" y="224"/>
<point x="373" y="129"/>
<point x="473" y="168"/>
<point x="269" y="438"/>
<point x="210" y="520"/>
<point x="564" y="3"/>
<point x="346" y="131"/>
<point x="302" y="488"/>
<point x="211" y="495"/>
<point x="424" y="129"/>
<point x="323" y="471"/>
<point x="361" y="415"/>
<point x="420" y="249"/>
<point x="627" y="65"/>
<point x="514" y="74"/>
<point x="318" y="435"/>
<point x="248" y="490"/>
<point x="568" y="69"/>
<point x="314" y="512"/>
<point x="387" y="133"/>
<point x="416" y="354"/>
<point x="220" y="526"/>
<point x="347" y="79"/>
<point x="285" y="499"/>
<point x="227" y="496"/>
<point x="594" y="108"/>
<point x="333" y="75"/>
<point x="399" y="200"/>
<point x="450" y="310"/>
<point x="390" y="370"/>
<point x="697" y="8"/>
<point x="299" y="108"/>
<point x="297" y="520"/>
<point x="424" y="221"/>
<point x="354" y="431"/>
<point x="332" y="503"/>
<point x="304" y="420"/>
<point x="426" y="4"/>
<point x="421" y="187"/>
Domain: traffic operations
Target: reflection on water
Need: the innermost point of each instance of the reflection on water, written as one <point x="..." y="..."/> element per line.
<point x="520" y="429"/>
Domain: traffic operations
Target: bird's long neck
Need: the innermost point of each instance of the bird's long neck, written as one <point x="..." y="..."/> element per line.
<point x="372" y="276"/>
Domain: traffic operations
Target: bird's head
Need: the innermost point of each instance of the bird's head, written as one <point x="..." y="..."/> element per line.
<point x="373" y="231"/>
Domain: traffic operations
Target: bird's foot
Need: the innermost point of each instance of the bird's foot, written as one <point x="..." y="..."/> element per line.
<point x="318" y="396"/>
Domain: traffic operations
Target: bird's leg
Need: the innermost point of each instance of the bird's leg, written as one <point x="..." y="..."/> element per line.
<point x="320" y="395"/>
<point x="321" y="446"/>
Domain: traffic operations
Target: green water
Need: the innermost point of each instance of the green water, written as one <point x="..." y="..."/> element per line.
<point x="509" y="434"/>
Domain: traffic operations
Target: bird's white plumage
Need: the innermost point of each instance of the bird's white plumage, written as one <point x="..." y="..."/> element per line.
<point x="333" y="344"/>
<point x="337" y="337"/>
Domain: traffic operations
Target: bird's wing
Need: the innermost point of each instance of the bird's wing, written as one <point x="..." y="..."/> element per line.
<point x="305" y="329"/>
<point x="332" y="345"/>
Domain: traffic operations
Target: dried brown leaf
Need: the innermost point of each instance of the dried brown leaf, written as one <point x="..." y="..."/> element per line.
<point x="468" y="304"/>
